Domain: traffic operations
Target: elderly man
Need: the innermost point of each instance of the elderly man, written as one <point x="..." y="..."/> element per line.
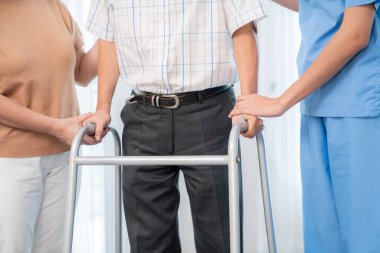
<point x="176" y="57"/>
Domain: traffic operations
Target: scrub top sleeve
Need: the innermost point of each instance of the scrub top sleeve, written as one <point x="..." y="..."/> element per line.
<point x="241" y="12"/>
<point x="353" y="3"/>
<point x="101" y="20"/>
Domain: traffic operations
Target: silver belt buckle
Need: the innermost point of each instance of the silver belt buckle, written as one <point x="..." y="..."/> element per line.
<point x="176" y="99"/>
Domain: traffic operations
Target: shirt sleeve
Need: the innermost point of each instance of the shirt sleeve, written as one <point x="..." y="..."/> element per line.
<point x="241" y="12"/>
<point x="100" y="20"/>
<point x="352" y="3"/>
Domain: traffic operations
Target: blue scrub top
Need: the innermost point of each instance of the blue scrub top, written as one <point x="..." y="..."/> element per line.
<point x="355" y="90"/>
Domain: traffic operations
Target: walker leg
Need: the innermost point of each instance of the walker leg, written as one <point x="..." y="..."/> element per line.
<point x="266" y="194"/>
<point x="118" y="208"/>
<point x="118" y="193"/>
<point x="70" y="205"/>
<point x="72" y="187"/>
<point x="234" y="193"/>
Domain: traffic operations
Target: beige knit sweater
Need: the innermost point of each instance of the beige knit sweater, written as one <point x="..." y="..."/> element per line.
<point x="38" y="43"/>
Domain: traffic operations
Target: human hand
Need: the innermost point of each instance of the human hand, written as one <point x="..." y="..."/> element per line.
<point x="101" y="119"/>
<point x="256" y="105"/>
<point x="65" y="129"/>
<point x="255" y="125"/>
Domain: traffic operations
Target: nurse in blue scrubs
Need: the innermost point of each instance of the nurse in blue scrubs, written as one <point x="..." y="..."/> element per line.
<point x="339" y="85"/>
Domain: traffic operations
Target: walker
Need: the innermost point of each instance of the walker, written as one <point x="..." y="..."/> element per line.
<point x="232" y="160"/>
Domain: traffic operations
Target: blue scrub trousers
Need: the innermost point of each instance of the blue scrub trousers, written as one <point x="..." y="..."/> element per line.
<point x="340" y="161"/>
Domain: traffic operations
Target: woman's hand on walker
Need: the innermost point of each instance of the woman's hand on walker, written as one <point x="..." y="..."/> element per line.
<point x="257" y="105"/>
<point x="65" y="129"/>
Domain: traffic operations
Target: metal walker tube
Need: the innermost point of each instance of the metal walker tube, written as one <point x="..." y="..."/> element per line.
<point x="271" y="239"/>
<point x="72" y="189"/>
<point x="232" y="160"/>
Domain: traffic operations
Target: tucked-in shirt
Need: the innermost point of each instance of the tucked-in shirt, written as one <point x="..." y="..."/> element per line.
<point x="38" y="43"/>
<point x="355" y="90"/>
<point x="173" y="46"/>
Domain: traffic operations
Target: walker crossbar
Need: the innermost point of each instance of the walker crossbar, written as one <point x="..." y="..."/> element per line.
<point x="232" y="160"/>
<point x="153" y="160"/>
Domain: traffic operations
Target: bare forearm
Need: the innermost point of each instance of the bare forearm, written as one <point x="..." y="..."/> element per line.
<point x="246" y="58"/>
<point x="87" y="66"/>
<point x="351" y="38"/>
<point x="108" y="70"/>
<point x="290" y="4"/>
<point x="18" y="116"/>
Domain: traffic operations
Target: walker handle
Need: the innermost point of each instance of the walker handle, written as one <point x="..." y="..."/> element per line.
<point x="90" y="128"/>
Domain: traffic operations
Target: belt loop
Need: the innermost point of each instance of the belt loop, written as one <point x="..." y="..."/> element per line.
<point x="144" y="99"/>
<point x="200" y="98"/>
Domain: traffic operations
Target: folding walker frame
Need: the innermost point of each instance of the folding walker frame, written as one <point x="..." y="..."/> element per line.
<point x="232" y="160"/>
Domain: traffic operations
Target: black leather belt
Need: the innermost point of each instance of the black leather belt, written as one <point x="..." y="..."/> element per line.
<point x="173" y="101"/>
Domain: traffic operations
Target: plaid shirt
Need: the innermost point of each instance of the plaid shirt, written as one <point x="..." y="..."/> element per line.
<point x="173" y="46"/>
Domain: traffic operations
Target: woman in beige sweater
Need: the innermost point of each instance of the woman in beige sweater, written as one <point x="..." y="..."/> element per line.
<point x="41" y="58"/>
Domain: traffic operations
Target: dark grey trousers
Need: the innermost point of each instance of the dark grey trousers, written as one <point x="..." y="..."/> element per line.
<point x="151" y="195"/>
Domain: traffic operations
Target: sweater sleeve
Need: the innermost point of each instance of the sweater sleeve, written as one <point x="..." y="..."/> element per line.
<point x="71" y="26"/>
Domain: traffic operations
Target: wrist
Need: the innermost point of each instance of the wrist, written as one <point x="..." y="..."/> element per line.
<point x="104" y="108"/>
<point x="247" y="89"/>
<point x="55" y="127"/>
<point x="102" y="116"/>
<point x="285" y="102"/>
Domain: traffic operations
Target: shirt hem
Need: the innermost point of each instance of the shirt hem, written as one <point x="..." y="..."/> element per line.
<point x="30" y="147"/>
<point x="351" y="114"/>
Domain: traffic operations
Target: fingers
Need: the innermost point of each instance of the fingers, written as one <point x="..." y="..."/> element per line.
<point x="259" y="106"/>
<point x="105" y="132"/>
<point x="259" y="127"/>
<point x="85" y="116"/>
<point x="89" y="140"/>
<point x="242" y="108"/>
<point x="255" y="126"/>
<point x="101" y="119"/>
<point x="99" y="131"/>
<point x="234" y="112"/>
<point x="250" y="133"/>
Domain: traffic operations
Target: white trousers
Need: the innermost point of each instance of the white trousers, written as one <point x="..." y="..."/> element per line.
<point x="33" y="203"/>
